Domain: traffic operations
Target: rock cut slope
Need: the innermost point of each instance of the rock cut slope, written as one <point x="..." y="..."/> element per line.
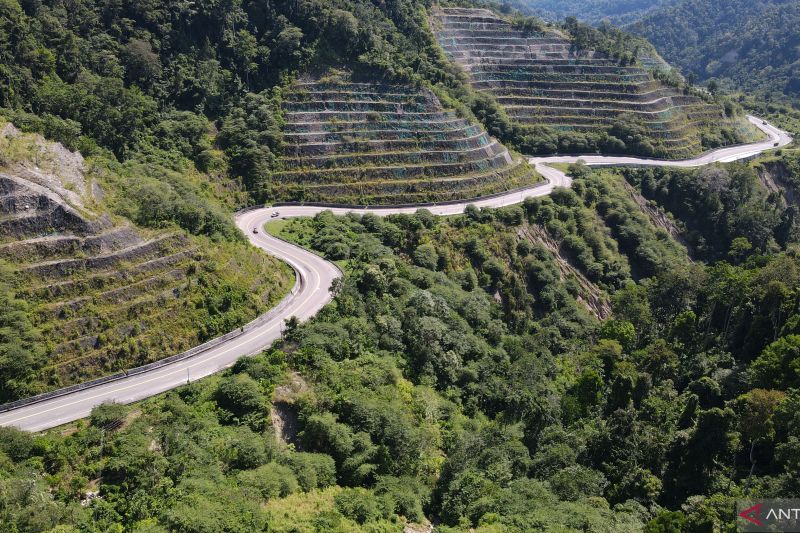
<point x="377" y="143"/>
<point x="104" y="294"/>
<point x="541" y="78"/>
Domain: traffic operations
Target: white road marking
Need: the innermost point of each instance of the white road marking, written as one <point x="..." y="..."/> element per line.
<point x="315" y="293"/>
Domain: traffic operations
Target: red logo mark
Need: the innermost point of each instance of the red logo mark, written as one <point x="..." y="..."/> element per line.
<point x="755" y="511"/>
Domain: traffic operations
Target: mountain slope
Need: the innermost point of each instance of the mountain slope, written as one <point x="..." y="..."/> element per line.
<point x="381" y="143"/>
<point x="594" y="88"/>
<point x="458" y="377"/>
<point x="103" y="292"/>
<point x="617" y="12"/>
<point x="751" y="44"/>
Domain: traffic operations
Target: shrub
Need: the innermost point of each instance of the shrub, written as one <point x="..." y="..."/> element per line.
<point x="246" y="450"/>
<point x="16" y="444"/>
<point x="313" y="470"/>
<point x="241" y="396"/>
<point x="108" y="415"/>
<point x="269" y="481"/>
<point x="426" y="256"/>
<point x="359" y="505"/>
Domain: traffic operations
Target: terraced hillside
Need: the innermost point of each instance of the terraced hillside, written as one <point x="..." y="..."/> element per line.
<point x="373" y="143"/>
<point x="104" y="294"/>
<point x="542" y="79"/>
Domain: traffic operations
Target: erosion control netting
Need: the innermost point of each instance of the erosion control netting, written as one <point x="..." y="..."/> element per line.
<point x="380" y="143"/>
<point x="541" y="78"/>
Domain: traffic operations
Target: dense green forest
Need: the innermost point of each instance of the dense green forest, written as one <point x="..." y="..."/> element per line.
<point x="462" y="375"/>
<point x="740" y="45"/>
<point x="618" y="12"/>
<point x="204" y="81"/>
<point x="621" y="356"/>
<point x="138" y="79"/>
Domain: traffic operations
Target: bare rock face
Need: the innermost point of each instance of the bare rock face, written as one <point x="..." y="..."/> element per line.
<point x="9" y="130"/>
<point x="44" y="191"/>
<point x="776" y="177"/>
<point x="47" y="164"/>
<point x="30" y="209"/>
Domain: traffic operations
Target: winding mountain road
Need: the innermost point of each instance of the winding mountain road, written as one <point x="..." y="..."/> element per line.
<point x="314" y="277"/>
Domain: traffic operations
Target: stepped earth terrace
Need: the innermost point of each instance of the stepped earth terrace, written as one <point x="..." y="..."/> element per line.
<point x="375" y="143"/>
<point x="541" y="78"/>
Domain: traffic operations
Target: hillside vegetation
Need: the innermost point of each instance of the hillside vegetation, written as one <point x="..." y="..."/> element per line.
<point x="621" y="356"/>
<point x="583" y="90"/>
<point x="207" y="81"/>
<point x="618" y="12"/>
<point x="212" y="82"/>
<point x="461" y="375"/>
<point x="747" y="45"/>
<point x="370" y="143"/>
<point x="103" y="272"/>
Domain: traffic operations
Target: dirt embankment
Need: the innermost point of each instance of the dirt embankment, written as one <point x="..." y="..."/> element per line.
<point x="283" y="412"/>
<point x="595" y="300"/>
<point x="775" y="177"/>
<point x="658" y="217"/>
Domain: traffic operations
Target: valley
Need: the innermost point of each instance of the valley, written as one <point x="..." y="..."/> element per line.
<point x="315" y="278"/>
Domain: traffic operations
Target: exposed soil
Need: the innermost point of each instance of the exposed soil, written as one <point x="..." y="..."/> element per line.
<point x="658" y="217"/>
<point x="284" y="422"/>
<point x="772" y="175"/>
<point x="283" y="413"/>
<point x="591" y="296"/>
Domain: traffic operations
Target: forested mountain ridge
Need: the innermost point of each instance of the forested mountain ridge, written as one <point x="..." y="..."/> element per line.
<point x="559" y="365"/>
<point x="746" y="45"/>
<point x="135" y="78"/>
<point x="618" y="12"/>
<point x="208" y="80"/>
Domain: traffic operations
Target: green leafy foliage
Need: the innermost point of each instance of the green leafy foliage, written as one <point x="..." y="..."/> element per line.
<point x="475" y="389"/>
<point x="593" y="11"/>
<point x="21" y="349"/>
<point x="719" y="205"/>
<point x="743" y="44"/>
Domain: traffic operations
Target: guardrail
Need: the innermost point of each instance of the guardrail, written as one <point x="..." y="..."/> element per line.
<point x="298" y="285"/>
<point x="299" y="282"/>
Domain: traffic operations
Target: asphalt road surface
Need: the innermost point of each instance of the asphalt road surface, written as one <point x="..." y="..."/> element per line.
<point x="312" y="291"/>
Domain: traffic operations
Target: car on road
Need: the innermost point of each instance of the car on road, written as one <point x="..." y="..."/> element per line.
<point x="255" y="230"/>
<point x="275" y="214"/>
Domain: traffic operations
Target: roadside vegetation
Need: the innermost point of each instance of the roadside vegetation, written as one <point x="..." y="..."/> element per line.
<point x="147" y="263"/>
<point x="462" y="375"/>
<point x="621" y="356"/>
